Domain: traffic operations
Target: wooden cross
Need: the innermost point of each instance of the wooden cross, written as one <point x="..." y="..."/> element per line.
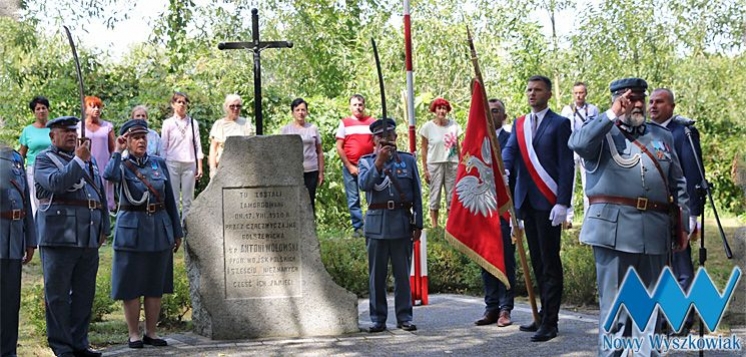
<point x="256" y="47"/>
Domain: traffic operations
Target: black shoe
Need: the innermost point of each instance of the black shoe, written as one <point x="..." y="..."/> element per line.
<point x="545" y="333"/>
<point x="377" y="327"/>
<point x="86" y="353"/>
<point x="157" y="342"/>
<point x="407" y="326"/>
<point x="135" y="344"/>
<point x="532" y="327"/>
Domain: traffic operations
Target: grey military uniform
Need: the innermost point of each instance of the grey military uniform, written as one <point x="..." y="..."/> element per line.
<point x="623" y="235"/>
<point x="71" y="218"/>
<point x="395" y="210"/>
<point x="17" y="233"/>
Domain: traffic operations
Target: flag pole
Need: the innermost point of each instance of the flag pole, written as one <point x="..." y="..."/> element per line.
<point x="517" y="232"/>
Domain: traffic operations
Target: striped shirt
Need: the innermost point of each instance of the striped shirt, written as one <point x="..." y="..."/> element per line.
<point x="357" y="140"/>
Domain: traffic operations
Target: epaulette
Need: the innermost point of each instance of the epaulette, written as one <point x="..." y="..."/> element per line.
<point x="406" y="153"/>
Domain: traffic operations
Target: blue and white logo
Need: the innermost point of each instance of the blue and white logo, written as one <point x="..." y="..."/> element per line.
<point x="672" y="300"/>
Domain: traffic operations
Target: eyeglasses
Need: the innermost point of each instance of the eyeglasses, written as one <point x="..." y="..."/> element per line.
<point x="235" y="106"/>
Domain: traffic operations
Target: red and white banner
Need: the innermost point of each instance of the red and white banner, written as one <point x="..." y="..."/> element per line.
<point x="474" y="221"/>
<point x="546" y="184"/>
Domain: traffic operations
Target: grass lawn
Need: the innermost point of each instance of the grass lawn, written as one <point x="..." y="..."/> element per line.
<point x="112" y="330"/>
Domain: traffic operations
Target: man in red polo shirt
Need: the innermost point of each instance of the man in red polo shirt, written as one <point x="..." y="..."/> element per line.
<point x="354" y="140"/>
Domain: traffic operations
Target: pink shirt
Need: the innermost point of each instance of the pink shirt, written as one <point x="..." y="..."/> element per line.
<point x="177" y="139"/>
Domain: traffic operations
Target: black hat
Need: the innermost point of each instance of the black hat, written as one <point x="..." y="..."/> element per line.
<point x="67" y="122"/>
<point x="134" y="126"/>
<point x="638" y="85"/>
<point x="377" y="126"/>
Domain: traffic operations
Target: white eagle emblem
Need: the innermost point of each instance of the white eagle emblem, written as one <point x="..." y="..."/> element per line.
<point x="477" y="193"/>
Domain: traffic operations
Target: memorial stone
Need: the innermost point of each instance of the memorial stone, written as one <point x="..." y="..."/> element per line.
<point x="253" y="257"/>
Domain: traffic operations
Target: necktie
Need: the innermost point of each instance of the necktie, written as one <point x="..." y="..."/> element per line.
<point x="534" y="124"/>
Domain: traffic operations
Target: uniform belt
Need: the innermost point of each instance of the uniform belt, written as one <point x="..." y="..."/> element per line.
<point x="13" y="215"/>
<point x="641" y="203"/>
<point x="150" y="208"/>
<point x="90" y="204"/>
<point x="390" y="205"/>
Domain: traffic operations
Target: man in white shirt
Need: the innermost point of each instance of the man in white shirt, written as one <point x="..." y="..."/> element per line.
<point x="578" y="112"/>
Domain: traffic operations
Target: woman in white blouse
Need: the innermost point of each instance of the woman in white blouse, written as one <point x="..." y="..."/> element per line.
<point x="231" y="125"/>
<point x="182" y="150"/>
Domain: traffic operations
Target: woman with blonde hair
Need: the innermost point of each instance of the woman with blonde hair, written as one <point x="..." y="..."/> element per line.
<point x="230" y="125"/>
<point x="140" y="112"/>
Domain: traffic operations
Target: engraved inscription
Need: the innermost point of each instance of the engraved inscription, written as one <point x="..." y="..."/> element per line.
<point x="261" y="242"/>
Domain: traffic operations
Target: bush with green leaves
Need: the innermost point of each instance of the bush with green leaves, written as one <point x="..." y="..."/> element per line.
<point x="174" y="306"/>
<point x="450" y="271"/>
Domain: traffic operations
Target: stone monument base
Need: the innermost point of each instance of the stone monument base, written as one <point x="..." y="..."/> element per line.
<point x="253" y="257"/>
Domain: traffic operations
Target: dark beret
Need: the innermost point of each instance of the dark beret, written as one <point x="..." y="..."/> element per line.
<point x="67" y="122"/>
<point x="635" y="84"/>
<point x="134" y="126"/>
<point x="377" y="126"/>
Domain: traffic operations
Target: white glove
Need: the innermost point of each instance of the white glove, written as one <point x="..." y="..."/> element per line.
<point x="514" y="229"/>
<point x="692" y="224"/>
<point x="506" y="176"/>
<point x="558" y="214"/>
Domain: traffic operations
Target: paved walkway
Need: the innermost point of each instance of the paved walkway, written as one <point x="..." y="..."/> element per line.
<point x="446" y="327"/>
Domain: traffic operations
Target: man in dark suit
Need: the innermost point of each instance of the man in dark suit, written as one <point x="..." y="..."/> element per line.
<point x="661" y="109"/>
<point x="538" y="158"/>
<point x="497" y="297"/>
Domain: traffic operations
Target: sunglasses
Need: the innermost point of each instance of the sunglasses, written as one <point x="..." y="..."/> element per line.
<point x="235" y="106"/>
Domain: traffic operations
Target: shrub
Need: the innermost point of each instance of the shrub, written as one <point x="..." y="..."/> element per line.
<point x="346" y="260"/>
<point x="102" y="302"/>
<point x="32" y="302"/>
<point x="450" y="271"/>
<point x="175" y="306"/>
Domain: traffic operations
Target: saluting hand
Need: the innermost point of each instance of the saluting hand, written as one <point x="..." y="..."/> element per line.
<point x="121" y="144"/>
<point x="622" y="105"/>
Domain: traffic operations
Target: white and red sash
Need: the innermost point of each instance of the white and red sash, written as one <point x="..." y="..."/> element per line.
<point x="546" y="184"/>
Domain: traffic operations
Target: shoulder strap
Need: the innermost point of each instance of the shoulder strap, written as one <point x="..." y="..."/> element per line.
<point x="652" y="158"/>
<point x="143" y="179"/>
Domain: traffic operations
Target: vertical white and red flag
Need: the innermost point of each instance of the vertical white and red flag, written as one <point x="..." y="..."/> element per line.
<point x="480" y="196"/>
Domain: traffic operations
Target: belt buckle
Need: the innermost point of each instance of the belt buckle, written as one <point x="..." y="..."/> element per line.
<point x="390" y="205"/>
<point x="92" y="204"/>
<point x="151" y="208"/>
<point x="642" y="203"/>
<point x="16" y="214"/>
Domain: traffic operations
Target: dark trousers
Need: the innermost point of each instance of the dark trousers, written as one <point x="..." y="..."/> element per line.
<point x="311" y="179"/>
<point x="380" y="251"/>
<point x="10" y="304"/>
<point x="69" y="289"/>
<point x="544" y="245"/>
<point x="683" y="269"/>
<point x="496" y="295"/>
